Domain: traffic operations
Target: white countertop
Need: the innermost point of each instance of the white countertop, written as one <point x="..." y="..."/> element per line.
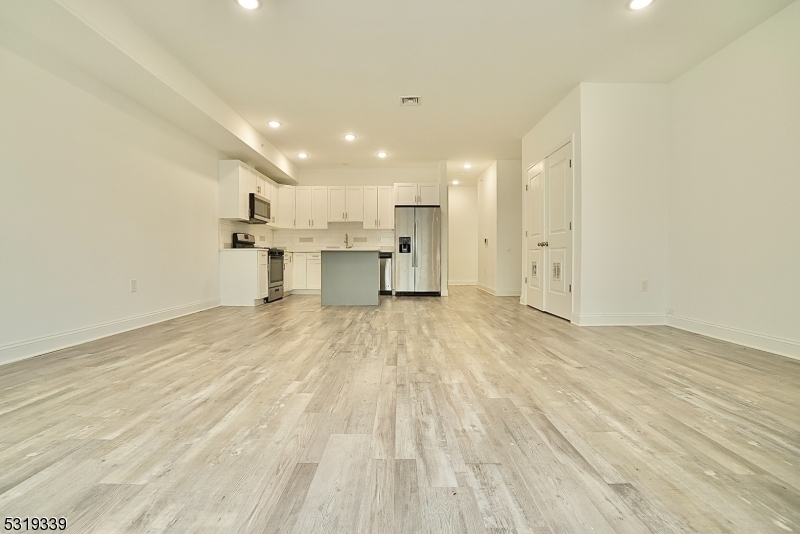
<point x="342" y="249"/>
<point x="350" y="249"/>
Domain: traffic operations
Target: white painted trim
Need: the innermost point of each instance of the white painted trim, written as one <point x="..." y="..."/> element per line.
<point x="34" y="347"/>
<point x="499" y="292"/>
<point x="486" y="289"/>
<point x="462" y="282"/>
<point x="776" y="345"/>
<point x="306" y="292"/>
<point x="619" y="319"/>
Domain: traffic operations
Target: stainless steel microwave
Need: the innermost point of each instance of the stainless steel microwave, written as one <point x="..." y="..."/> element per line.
<point x="259" y="209"/>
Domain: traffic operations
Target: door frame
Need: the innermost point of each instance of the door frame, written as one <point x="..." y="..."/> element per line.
<point x="576" y="226"/>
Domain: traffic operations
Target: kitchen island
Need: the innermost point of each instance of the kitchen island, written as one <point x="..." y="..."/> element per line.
<point x="350" y="277"/>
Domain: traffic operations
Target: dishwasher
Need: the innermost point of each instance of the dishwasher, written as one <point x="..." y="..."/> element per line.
<point x="386" y="273"/>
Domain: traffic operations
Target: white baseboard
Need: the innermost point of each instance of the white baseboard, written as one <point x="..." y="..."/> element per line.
<point x="499" y="292"/>
<point x="462" y="282"/>
<point x="306" y="292"/>
<point x="776" y="345"/>
<point x="34" y="347"/>
<point x="619" y="319"/>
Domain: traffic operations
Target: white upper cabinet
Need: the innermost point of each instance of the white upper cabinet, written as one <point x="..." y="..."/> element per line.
<point x="379" y="207"/>
<point x="337" y="204"/>
<point x="319" y="208"/>
<point x="385" y="208"/>
<point x="405" y="194"/>
<point x="286" y="206"/>
<point x="311" y="206"/>
<point x="416" y="194"/>
<point x="355" y="204"/>
<point x="371" y="206"/>
<point x="261" y="186"/>
<point x="236" y="182"/>
<point x="273" y="196"/>
<point x="303" y="202"/>
<point x="428" y="194"/>
<point x="345" y="203"/>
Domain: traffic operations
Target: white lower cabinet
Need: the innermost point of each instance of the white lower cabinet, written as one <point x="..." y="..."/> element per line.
<point x="307" y="270"/>
<point x="243" y="277"/>
<point x="288" y="273"/>
<point x="314" y="271"/>
<point x="299" y="270"/>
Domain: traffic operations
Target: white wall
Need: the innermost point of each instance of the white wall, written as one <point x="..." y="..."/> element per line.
<point x="94" y="195"/>
<point x="377" y="176"/>
<point x="735" y="190"/>
<point x="499" y="229"/>
<point x="463" y="235"/>
<point x="509" y="228"/>
<point x="560" y="126"/>
<point x="487" y="229"/>
<point x="624" y="172"/>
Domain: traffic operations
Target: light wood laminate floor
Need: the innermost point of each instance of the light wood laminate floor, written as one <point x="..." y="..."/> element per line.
<point x="467" y="414"/>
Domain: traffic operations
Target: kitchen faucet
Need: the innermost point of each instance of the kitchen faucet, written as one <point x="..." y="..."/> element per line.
<point x="347" y="243"/>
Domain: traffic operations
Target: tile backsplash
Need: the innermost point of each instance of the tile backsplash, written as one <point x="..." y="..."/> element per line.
<point x="333" y="236"/>
<point x="228" y="227"/>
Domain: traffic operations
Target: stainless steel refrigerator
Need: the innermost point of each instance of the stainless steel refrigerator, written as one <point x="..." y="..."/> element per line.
<point x="418" y="256"/>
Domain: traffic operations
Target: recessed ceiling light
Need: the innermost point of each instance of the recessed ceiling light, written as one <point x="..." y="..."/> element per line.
<point x="468" y="165"/>
<point x="249" y="4"/>
<point x="382" y="154"/>
<point x="302" y="155"/>
<point x="455" y="182"/>
<point x="350" y="137"/>
<point x="274" y="124"/>
<point x="639" y="4"/>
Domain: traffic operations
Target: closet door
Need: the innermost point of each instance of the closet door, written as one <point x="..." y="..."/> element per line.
<point x="535" y="237"/>
<point x="558" y="232"/>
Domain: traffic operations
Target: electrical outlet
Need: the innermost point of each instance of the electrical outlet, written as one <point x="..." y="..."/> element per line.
<point x="134" y="286"/>
<point x="262" y="238"/>
<point x="645" y="285"/>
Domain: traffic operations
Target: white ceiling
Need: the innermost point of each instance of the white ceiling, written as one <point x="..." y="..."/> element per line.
<point x="486" y="71"/>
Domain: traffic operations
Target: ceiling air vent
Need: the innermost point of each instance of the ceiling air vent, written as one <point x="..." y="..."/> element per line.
<point x="410" y="100"/>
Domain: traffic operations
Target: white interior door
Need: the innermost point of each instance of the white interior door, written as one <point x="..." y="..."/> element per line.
<point x="558" y="232"/>
<point x="535" y="236"/>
